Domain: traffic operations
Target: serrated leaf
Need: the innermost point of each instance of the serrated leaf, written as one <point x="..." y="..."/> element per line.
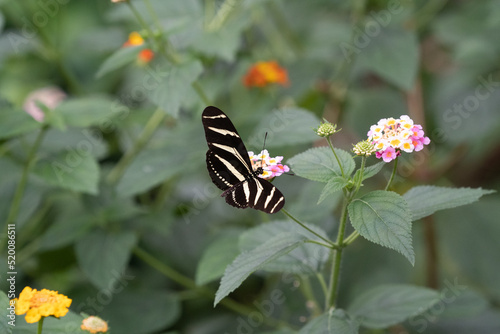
<point x="423" y="201"/>
<point x="393" y="55"/>
<point x="307" y="259"/>
<point x="218" y="255"/>
<point x="319" y="164"/>
<point x="174" y="85"/>
<point x="87" y="111"/>
<point x="334" y="185"/>
<point x="119" y="58"/>
<point x="103" y="256"/>
<point x="70" y="170"/>
<point x="286" y="126"/>
<point x="248" y="262"/>
<point x="390" y="304"/>
<point x="372" y="170"/>
<point x="15" y="122"/>
<point x="383" y="217"/>
<point x="334" y="322"/>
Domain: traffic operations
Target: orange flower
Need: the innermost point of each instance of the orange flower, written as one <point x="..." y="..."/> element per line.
<point x="135" y="39"/>
<point x="145" y="56"/>
<point x="264" y="73"/>
<point x="38" y="304"/>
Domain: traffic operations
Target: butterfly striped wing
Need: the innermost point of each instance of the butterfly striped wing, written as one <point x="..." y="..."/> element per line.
<point x="230" y="169"/>
<point x="255" y="193"/>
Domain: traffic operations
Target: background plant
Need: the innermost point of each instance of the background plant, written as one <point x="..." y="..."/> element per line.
<point x="116" y="210"/>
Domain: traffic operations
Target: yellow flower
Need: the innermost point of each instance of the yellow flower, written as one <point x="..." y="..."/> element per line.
<point x="134" y="39"/>
<point x="38" y="304"/>
<point x="264" y="73"/>
<point x="94" y="325"/>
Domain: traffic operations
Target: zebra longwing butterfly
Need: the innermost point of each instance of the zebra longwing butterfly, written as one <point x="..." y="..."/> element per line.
<point x="230" y="168"/>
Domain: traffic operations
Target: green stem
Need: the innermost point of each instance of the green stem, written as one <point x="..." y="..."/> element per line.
<point x="222" y="14"/>
<point x="152" y="12"/>
<point x="190" y="284"/>
<point x="322" y="282"/>
<point x="40" y="325"/>
<point x="350" y="239"/>
<point x="392" y="175"/>
<point x="321" y="244"/>
<point x="139" y="18"/>
<point x="337" y="258"/>
<point x="148" y="131"/>
<point x="362" y="170"/>
<point x="201" y="93"/>
<point x="336" y="157"/>
<point x="307" y="228"/>
<point x="307" y="291"/>
<point x="21" y="187"/>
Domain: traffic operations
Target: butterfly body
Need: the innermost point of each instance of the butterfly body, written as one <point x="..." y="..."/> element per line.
<point x="230" y="168"/>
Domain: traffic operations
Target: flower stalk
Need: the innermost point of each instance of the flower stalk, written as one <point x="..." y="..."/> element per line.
<point x="21" y="187"/>
<point x="40" y="325"/>
<point x="394" y="170"/>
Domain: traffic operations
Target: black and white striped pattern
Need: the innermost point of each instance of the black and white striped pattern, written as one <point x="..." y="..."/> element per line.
<point x="230" y="169"/>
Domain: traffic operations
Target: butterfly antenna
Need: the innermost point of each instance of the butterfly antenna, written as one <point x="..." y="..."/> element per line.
<point x="264" y="145"/>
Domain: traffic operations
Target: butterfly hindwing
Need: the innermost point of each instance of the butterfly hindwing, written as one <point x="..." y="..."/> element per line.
<point x="230" y="169"/>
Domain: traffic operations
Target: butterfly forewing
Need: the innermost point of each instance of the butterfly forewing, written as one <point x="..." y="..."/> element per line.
<point x="230" y="169"/>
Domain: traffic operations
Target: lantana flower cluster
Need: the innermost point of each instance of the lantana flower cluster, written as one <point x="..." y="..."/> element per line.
<point x="272" y="166"/>
<point x="37" y="304"/>
<point x="390" y="136"/>
<point x="94" y="325"/>
<point x="264" y="73"/>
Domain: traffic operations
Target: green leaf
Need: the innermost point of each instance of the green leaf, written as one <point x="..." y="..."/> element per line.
<point x="372" y="170"/>
<point x="319" y="164"/>
<point x="69" y="324"/>
<point x="150" y="168"/>
<point x="390" y="304"/>
<point x="159" y="309"/>
<point x="15" y="122"/>
<point x="383" y="217"/>
<point x="84" y="112"/>
<point x="119" y="58"/>
<point x="286" y="126"/>
<point x="218" y="255"/>
<point x="334" y="185"/>
<point x="103" y="256"/>
<point x="71" y="223"/>
<point x="174" y="85"/>
<point x="8" y="315"/>
<point x="248" y="262"/>
<point x="72" y="170"/>
<point x="306" y="259"/>
<point x="423" y="201"/>
<point x="333" y="322"/>
<point x="224" y="42"/>
<point x="392" y="54"/>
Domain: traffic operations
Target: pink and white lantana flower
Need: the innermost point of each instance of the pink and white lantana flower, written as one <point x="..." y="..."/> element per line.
<point x="272" y="166"/>
<point x="390" y="136"/>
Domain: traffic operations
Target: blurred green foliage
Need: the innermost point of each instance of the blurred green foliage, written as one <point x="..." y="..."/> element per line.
<point x="119" y="213"/>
